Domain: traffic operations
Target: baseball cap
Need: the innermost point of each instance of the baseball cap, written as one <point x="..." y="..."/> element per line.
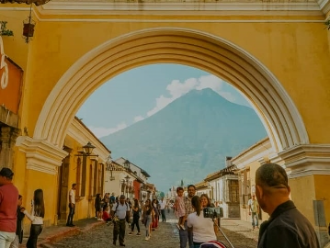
<point x="6" y="172"/>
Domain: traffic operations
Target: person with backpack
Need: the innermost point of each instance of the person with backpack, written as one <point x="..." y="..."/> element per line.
<point x="121" y="213"/>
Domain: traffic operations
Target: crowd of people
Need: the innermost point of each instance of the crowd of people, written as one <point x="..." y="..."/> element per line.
<point x="286" y="227"/>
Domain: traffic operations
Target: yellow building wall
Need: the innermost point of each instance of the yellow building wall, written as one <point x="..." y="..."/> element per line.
<point x="302" y="194"/>
<point x="289" y="50"/>
<point x="322" y="192"/>
<point x="48" y="183"/>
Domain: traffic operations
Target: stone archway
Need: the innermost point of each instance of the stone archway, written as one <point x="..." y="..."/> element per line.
<point x="173" y="45"/>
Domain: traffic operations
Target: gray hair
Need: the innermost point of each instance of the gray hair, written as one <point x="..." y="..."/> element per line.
<point x="272" y="175"/>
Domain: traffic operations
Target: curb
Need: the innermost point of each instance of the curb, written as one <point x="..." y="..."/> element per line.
<point x="47" y="243"/>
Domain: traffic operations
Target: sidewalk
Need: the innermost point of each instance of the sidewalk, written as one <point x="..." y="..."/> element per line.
<point x="52" y="234"/>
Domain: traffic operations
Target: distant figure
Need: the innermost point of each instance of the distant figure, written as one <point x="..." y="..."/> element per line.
<point x="8" y="206"/>
<point x="112" y="198"/>
<point x="19" y="229"/>
<point x="136" y="217"/>
<point x="186" y="236"/>
<point x="36" y="217"/>
<point x="106" y="216"/>
<point x="180" y="210"/>
<point x="98" y="207"/>
<point x="72" y="205"/>
<point x="286" y="227"/>
<point x="253" y="211"/>
<point x="163" y="205"/>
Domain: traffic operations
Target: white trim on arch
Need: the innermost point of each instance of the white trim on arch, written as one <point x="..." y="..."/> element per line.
<point x="218" y="56"/>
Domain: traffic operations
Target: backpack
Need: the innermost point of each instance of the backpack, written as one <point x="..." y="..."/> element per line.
<point x="213" y="244"/>
<point x="127" y="217"/>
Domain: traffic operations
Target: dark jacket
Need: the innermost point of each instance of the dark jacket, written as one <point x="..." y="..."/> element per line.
<point x="287" y="228"/>
<point x="19" y="230"/>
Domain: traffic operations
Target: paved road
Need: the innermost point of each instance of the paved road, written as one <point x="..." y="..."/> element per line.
<point x="166" y="236"/>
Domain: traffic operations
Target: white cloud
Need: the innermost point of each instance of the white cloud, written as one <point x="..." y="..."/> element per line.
<point x="138" y="118"/>
<point x="103" y="131"/>
<point x="177" y="89"/>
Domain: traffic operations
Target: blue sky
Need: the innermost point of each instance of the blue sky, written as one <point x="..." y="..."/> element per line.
<point x="141" y="92"/>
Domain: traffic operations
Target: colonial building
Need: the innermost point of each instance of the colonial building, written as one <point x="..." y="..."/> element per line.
<point x="224" y="191"/>
<point x="247" y="162"/>
<point x="133" y="182"/>
<point x="63" y="66"/>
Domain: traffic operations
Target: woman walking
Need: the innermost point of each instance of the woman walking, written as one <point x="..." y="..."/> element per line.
<point x="147" y="217"/>
<point x="136" y="217"/>
<point x="98" y="207"/>
<point x="36" y="217"/>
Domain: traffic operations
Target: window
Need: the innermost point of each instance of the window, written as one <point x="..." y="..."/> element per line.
<point x="244" y="187"/>
<point x="83" y="177"/>
<point x="78" y="177"/>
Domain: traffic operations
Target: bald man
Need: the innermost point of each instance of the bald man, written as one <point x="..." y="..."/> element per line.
<point x="286" y="227"/>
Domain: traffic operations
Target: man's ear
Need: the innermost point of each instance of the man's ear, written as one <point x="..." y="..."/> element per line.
<point x="260" y="191"/>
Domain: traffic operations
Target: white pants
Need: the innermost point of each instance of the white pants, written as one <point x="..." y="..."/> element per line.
<point x="15" y="243"/>
<point x="6" y="238"/>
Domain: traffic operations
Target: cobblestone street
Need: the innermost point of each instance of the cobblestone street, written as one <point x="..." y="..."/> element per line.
<point x="166" y="236"/>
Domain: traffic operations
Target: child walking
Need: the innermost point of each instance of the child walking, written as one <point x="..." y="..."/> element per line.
<point x="179" y="208"/>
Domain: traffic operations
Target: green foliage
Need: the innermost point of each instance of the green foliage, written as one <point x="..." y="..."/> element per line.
<point x="4" y="31"/>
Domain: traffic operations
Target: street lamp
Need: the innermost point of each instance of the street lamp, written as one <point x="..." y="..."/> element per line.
<point x="87" y="151"/>
<point x="110" y="167"/>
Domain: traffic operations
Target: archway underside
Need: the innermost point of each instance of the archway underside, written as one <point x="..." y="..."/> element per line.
<point x="278" y="113"/>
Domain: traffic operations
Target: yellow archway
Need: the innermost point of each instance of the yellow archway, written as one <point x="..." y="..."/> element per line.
<point x="173" y="45"/>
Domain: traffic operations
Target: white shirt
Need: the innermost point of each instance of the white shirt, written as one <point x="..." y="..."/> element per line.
<point x="253" y="205"/>
<point x="37" y="220"/>
<point x="121" y="210"/>
<point x="72" y="195"/>
<point x="162" y="205"/>
<point x="203" y="230"/>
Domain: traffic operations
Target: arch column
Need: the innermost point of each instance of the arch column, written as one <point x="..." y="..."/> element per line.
<point x="41" y="155"/>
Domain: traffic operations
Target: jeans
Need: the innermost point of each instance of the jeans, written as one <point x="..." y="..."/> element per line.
<point x="15" y="243"/>
<point x="71" y="213"/>
<point x="185" y="237"/>
<point x="162" y="211"/>
<point x="255" y="219"/>
<point x="35" y="231"/>
<point x="6" y="238"/>
<point x="147" y="224"/>
<point x="136" y="219"/>
<point x="119" y="229"/>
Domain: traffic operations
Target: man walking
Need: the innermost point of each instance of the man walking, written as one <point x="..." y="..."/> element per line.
<point x="162" y="209"/>
<point x="286" y="227"/>
<point x="120" y="212"/>
<point x="185" y="235"/>
<point x="72" y="205"/>
<point x="8" y="207"/>
<point x="253" y="211"/>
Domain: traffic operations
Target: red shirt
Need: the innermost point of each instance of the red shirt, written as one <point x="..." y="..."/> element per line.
<point x="8" y="207"/>
<point x="105" y="216"/>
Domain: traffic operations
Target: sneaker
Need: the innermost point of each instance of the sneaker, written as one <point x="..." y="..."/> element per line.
<point x="130" y="233"/>
<point x="147" y="238"/>
<point x="182" y="226"/>
<point x="178" y="226"/>
<point x="138" y="234"/>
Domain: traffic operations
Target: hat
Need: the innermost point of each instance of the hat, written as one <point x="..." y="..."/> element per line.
<point x="6" y="172"/>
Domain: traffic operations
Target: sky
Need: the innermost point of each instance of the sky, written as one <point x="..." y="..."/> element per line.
<point x="141" y="92"/>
